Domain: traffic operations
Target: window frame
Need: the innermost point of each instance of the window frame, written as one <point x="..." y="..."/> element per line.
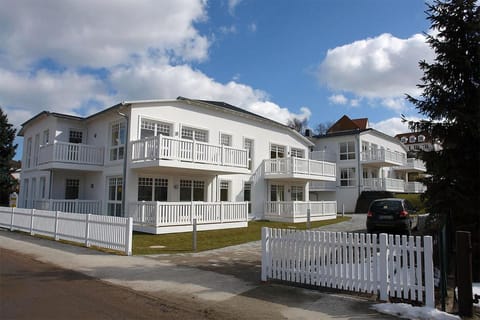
<point x="228" y="142"/>
<point x="347" y="154"/>
<point x="117" y="151"/>
<point x="275" y="150"/>
<point x="157" y="127"/>
<point x="348" y="177"/>
<point x="195" y="135"/>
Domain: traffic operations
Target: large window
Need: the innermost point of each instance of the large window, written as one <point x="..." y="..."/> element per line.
<point x="28" y="158"/>
<point x="277" y="151"/>
<point x="192" y="190"/>
<point x="347" y="177"/>
<point x="114" y="203"/>
<point x="72" y="188"/>
<point x="194" y="134"/>
<point x="152" y="189"/>
<point x="277" y="192"/>
<point x="46" y="137"/>
<point x="224" y="186"/>
<point x="297" y="193"/>
<point x="347" y="150"/>
<point x="151" y="128"/>
<point x="225" y="139"/>
<point x="117" y="142"/>
<point x="297" y="153"/>
<point x="248" y="145"/>
<point x="75" y="136"/>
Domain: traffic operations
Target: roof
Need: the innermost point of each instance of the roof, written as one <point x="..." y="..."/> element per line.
<point x="347" y="124"/>
<point x="47" y="113"/>
<point x="428" y="138"/>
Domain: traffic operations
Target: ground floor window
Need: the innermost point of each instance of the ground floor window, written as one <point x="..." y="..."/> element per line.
<point x="297" y="193"/>
<point x="224" y="186"/>
<point x="72" y="188"/>
<point x="191" y="190"/>
<point x="247" y="195"/>
<point x="277" y="192"/>
<point x="152" y="189"/>
<point x="115" y="193"/>
<point x="347" y="177"/>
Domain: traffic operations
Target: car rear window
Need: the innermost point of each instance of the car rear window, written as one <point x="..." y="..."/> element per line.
<point x="386" y="205"/>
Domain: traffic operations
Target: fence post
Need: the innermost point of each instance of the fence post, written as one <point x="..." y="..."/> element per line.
<point x="11" y="219"/>
<point x="194" y="235"/>
<point x="428" y="258"/>
<point x="222" y="208"/>
<point x="31" y="222"/>
<point x="128" y="236"/>
<point x="382" y="268"/>
<point x="55" y="232"/>
<point x="87" y="229"/>
<point x="464" y="277"/>
<point x="265" y="253"/>
<point x="308" y="218"/>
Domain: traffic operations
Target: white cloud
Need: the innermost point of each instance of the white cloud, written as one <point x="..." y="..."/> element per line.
<point x="109" y="31"/>
<point x="228" y="30"/>
<point x="232" y="4"/>
<point x="252" y="27"/>
<point x="382" y="67"/>
<point x="338" y="99"/>
<point x="392" y="126"/>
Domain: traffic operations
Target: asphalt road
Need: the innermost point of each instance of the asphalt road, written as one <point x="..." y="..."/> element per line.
<point x="30" y="289"/>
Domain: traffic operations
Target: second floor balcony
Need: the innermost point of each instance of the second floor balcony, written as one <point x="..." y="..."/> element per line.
<point x="76" y="156"/>
<point x="298" y="168"/>
<point x="382" y="158"/>
<point x="412" y="165"/>
<point x="165" y="151"/>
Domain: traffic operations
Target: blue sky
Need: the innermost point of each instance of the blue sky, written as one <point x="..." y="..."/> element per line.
<point x="314" y="60"/>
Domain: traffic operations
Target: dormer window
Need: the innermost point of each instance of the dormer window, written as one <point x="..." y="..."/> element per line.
<point x="421" y="138"/>
<point x="412" y="139"/>
<point x="404" y="139"/>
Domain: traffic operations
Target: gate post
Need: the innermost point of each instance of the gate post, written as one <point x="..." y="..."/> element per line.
<point x="265" y="253"/>
<point x="383" y="268"/>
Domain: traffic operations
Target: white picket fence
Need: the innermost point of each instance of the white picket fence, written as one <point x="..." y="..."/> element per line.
<point x="393" y="266"/>
<point x="91" y="230"/>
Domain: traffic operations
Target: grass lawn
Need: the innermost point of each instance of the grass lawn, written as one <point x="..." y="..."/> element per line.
<point x="207" y="240"/>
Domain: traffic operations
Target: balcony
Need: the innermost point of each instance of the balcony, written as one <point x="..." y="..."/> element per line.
<point x="412" y="165"/>
<point x="415" y="187"/>
<point x="382" y="158"/>
<point x="298" y="168"/>
<point x="63" y="155"/>
<point x="323" y="186"/>
<point x="170" y="217"/>
<point x="74" y="206"/>
<point x="297" y="211"/>
<point x="384" y="184"/>
<point x="170" y="152"/>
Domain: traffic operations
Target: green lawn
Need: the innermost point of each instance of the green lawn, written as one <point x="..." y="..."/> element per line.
<point x="207" y="240"/>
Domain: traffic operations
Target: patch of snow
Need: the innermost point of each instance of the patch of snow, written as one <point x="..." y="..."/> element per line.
<point x="407" y="311"/>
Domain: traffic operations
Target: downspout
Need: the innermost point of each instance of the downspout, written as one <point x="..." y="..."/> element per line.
<point x="125" y="157"/>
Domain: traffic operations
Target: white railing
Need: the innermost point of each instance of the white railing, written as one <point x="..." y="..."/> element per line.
<point x="415" y="187"/>
<point x="323" y="185"/>
<point x="159" y="214"/>
<point x="297" y="211"/>
<point x="165" y="147"/>
<point x="323" y="156"/>
<point x="76" y="206"/>
<point x="91" y="230"/>
<point x="292" y="165"/>
<point x="397" y="266"/>
<point x="382" y="155"/>
<point x="71" y="153"/>
<point x="413" y="164"/>
<point x="384" y="184"/>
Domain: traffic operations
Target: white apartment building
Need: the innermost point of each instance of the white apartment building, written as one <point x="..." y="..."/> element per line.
<point x="166" y="162"/>
<point x="367" y="160"/>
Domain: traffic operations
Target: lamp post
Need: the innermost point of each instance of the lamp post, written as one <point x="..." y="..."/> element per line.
<point x="125" y="159"/>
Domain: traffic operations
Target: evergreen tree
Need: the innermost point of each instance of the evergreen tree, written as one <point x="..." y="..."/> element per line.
<point x="451" y="103"/>
<point x="7" y="152"/>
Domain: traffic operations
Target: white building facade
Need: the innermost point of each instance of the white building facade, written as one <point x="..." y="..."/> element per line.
<point x="165" y="162"/>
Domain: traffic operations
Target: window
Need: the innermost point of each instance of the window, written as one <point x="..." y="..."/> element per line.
<point x="46" y="137"/>
<point x="43" y="187"/>
<point x="365" y="146"/>
<point x="277" y="151"/>
<point x="37" y="147"/>
<point x="347" y="177"/>
<point x="297" y="153"/>
<point x="225" y="139"/>
<point x="192" y="190"/>
<point x="297" y="193"/>
<point x="224" y="186"/>
<point x="277" y="193"/>
<point x="404" y="139"/>
<point x="421" y="138"/>
<point x="412" y="139"/>
<point x="75" y="136"/>
<point x="72" y="188"/>
<point x="247" y="195"/>
<point x="194" y="134"/>
<point x="248" y="145"/>
<point x="347" y="150"/>
<point x="24" y="186"/>
<point x="117" y="143"/>
<point x="114" y="202"/>
<point x="28" y="158"/>
<point x="152" y="189"/>
<point x="151" y="128"/>
<point x="34" y="189"/>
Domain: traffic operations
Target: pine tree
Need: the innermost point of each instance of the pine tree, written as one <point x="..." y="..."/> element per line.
<point x="7" y="152"/>
<point x="451" y="103"/>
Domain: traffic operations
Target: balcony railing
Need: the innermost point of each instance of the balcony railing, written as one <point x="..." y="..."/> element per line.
<point x="164" y="147"/>
<point x="74" y="206"/>
<point x="415" y="187"/>
<point x="323" y="185"/>
<point x="413" y="164"/>
<point x="75" y="153"/>
<point x="292" y="165"/>
<point x="383" y="156"/>
<point x="384" y="184"/>
<point x="297" y="211"/>
<point x="160" y="214"/>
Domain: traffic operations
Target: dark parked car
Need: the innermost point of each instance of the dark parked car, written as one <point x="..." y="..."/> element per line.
<point x="391" y="214"/>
